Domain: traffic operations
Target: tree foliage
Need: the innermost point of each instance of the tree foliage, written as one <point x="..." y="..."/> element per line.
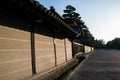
<point x="52" y="8"/>
<point x="98" y="44"/>
<point x="114" y="44"/>
<point x="70" y="15"/>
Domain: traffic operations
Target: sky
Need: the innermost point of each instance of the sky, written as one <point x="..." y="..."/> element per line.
<point x="102" y="17"/>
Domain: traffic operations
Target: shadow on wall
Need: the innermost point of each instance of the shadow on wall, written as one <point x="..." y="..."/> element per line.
<point x="43" y="29"/>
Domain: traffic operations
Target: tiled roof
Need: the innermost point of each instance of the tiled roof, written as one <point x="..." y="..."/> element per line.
<point x="34" y="10"/>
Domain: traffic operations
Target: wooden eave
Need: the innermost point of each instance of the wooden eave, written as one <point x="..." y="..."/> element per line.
<point x="34" y="12"/>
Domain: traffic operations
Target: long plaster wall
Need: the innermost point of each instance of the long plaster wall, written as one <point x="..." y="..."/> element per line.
<point x="60" y="51"/>
<point x="15" y="54"/>
<point x="16" y="51"/>
<point x="44" y="52"/>
<point x="68" y="49"/>
<point x="87" y="49"/>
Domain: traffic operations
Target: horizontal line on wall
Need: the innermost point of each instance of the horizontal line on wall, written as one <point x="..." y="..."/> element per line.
<point x="14" y="60"/>
<point x="15" y="39"/>
<point x="69" y="48"/>
<point x="69" y="53"/>
<point x="68" y="45"/>
<point x="46" y="62"/>
<point x="15" y="49"/>
<point x="60" y="54"/>
<point x="44" y="42"/>
<point x="44" y="49"/>
<point x="15" y="71"/>
<point x="61" y="58"/>
<point x="60" y="44"/>
<point x="45" y="56"/>
<point x="59" y="49"/>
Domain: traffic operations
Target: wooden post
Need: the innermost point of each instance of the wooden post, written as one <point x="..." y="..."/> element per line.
<point x="54" y="44"/>
<point x="65" y="50"/>
<point x="73" y="53"/>
<point x="33" y="50"/>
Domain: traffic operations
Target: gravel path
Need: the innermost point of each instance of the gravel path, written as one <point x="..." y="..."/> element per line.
<point x="102" y="65"/>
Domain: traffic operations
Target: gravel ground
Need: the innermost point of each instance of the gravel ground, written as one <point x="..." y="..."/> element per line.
<point x="102" y="65"/>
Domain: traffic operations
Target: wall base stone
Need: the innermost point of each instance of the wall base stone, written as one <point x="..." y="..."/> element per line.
<point x="55" y="72"/>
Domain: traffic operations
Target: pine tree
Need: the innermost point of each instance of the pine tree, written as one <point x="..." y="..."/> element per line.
<point x="70" y="14"/>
